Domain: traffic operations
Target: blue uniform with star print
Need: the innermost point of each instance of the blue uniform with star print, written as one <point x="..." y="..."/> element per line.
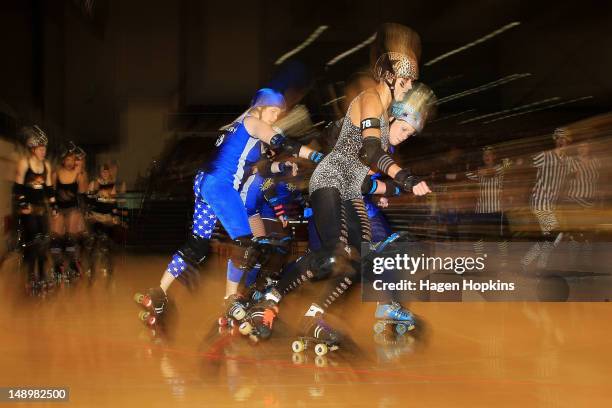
<point x="216" y="189"/>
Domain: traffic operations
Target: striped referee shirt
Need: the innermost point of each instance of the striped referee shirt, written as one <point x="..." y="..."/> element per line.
<point x="553" y="170"/>
<point x="583" y="185"/>
<point x="489" y="189"/>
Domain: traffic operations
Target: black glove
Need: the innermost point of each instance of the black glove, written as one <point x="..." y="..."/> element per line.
<point x="405" y="180"/>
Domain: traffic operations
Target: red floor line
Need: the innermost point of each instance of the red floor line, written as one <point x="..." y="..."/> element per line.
<point x="214" y="354"/>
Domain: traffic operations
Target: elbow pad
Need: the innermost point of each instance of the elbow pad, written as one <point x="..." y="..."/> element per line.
<point x="372" y="155"/>
<point x="280" y="142"/>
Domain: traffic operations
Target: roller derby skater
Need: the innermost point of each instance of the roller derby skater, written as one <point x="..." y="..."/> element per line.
<point x="257" y="194"/>
<point x="35" y="199"/>
<point x="68" y="227"/>
<point x="102" y="217"/>
<point x="270" y="199"/>
<point x="216" y="191"/>
<point x="336" y="186"/>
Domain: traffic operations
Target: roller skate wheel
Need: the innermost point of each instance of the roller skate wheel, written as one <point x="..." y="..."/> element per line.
<point x="239" y="313"/>
<point x="321" y="361"/>
<point x="321" y="349"/>
<point x="143" y="315"/>
<point x="298" y="346"/>
<point x="379" y="327"/>
<point x="245" y="328"/>
<point x="401" y="328"/>
<point x="298" y="358"/>
<point x="223" y="321"/>
<point x="254" y="338"/>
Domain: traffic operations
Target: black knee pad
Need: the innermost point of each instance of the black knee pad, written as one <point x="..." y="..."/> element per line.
<point x="248" y="252"/>
<point x="325" y="263"/>
<point x="195" y="250"/>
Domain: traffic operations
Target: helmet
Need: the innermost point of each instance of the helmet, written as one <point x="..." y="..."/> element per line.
<point x="69" y="149"/>
<point x="395" y="53"/>
<point x="417" y="106"/>
<point x="72" y="148"/>
<point x="393" y="65"/>
<point x="268" y="97"/>
<point x="34" y="136"/>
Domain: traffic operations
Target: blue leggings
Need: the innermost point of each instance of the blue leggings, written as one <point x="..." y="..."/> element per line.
<point x="215" y="199"/>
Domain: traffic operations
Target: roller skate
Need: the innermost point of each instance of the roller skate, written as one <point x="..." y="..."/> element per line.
<point x="393" y="314"/>
<point x="155" y="303"/>
<point x="259" y="321"/>
<point x="236" y="307"/>
<point x="320" y="334"/>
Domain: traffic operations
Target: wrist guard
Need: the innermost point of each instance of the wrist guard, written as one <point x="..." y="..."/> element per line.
<point x="369" y="186"/>
<point x="405" y="180"/>
<point x="280" y="142"/>
<point x="391" y="189"/>
<point x="316" y="157"/>
<point x="19" y="194"/>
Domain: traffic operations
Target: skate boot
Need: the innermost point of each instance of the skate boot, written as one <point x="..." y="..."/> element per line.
<point x="155" y="303"/>
<point x="236" y="307"/>
<point x="319" y="333"/>
<point x="393" y="314"/>
<point x="259" y="320"/>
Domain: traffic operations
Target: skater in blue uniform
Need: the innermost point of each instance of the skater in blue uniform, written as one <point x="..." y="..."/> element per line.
<point x="217" y="198"/>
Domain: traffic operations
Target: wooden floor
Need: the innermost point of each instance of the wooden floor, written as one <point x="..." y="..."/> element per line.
<point x="469" y="355"/>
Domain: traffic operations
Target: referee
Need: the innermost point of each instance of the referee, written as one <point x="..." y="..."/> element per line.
<point x="489" y="219"/>
<point x="553" y="167"/>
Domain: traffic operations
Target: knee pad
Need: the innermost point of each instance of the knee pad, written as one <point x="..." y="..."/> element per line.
<point x="248" y="252"/>
<point x="195" y="250"/>
<point x="325" y="263"/>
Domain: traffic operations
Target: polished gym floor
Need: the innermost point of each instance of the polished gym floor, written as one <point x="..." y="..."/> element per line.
<point x="477" y="354"/>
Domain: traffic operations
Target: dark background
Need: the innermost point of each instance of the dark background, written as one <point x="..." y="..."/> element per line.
<point x="126" y="78"/>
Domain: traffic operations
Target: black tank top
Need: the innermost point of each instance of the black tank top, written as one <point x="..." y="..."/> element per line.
<point x="35" y="185"/>
<point x="66" y="194"/>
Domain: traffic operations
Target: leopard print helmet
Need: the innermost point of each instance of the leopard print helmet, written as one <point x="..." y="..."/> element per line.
<point x="393" y="65"/>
